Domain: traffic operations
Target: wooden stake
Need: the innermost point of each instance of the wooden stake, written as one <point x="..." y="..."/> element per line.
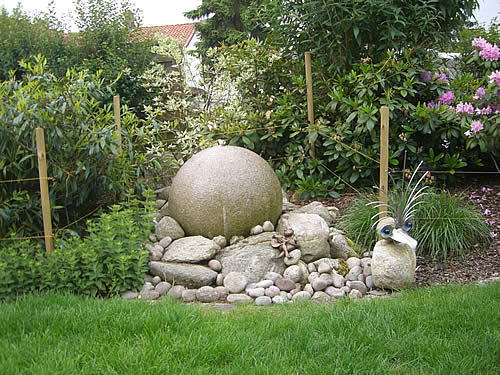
<point x="384" y="157"/>
<point x="310" y="108"/>
<point x="44" y="190"/>
<point x="116" y="110"/>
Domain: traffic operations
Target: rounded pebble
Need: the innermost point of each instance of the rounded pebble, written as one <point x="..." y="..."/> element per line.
<point x="235" y="282"/>
<point x="264" y="284"/>
<point x="215" y="265"/>
<point x="263" y="301"/>
<point x="268" y="226"/>
<point x="272" y="291"/>
<point x="256" y="292"/>
<point x="285" y="284"/>
<point x="301" y="295"/>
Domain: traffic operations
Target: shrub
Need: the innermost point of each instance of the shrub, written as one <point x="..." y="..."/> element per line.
<point x="446" y="226"/>
<point x="109" y="261"/>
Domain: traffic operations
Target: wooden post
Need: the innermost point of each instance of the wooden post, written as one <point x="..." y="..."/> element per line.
<point x="384" y="157"/>
<point x="310" y="107"/>
<point x="118" y="122"/>
<point x="44" y="190"/>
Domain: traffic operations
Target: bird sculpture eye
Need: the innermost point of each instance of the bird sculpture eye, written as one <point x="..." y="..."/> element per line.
<point x="386" y="231"/>
<point x="407" y="225"/>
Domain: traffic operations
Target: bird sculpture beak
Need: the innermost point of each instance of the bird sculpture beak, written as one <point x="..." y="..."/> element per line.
<point x="400" y="236"/>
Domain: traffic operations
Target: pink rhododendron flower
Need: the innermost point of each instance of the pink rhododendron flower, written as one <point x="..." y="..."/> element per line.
<point x="484" y="111"/>
<point x="479" y="42"/>
<point x="447" y="97"/>
<point x="476" y="126"/>
<point x="468" y="133"/>
<point x="495" y="77"/>
<point x="490" y="52"/>
<point x="441" y="77"/>
<point x="425" y="76"/>
<point x="464" y="108"/>
<point x="481" y="92"/>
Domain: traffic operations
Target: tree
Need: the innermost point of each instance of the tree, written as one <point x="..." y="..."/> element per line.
<point x="341" y="32"/>
<point x="228" y="22"/>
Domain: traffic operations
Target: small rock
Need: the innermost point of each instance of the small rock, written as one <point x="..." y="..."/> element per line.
<point x="221" y="241"/>
<point x="163" y="287"/>
<point x="366" y="262"/>
<point x="369" y="282"/>
<point x="235" y="282"/>
<point x="264" y="284"/>
<point x="301" y="295"/>
<point x="250" y="286"/>
<point x="361" y="278"/>
<point x="207" y="294"/>
<point x="338" y="280"/>
<point x="156" y="280"/>
<point x="263" y="301"/>
<point x="268" y="226"/>
<point x="285" y="284"/>
<point x="327" y="277"/>
<point x="153" y="238"/>
<point x="129" y="295"/>
<point x="222" y="293"/>
<point x="272" y="291"/>
<point x="236" y="239"/>
<point x="309" y="289"/>
<point x="155" y="255"/>
<point x="293" y="257"/>
<point x="147" y="287"/>
<point x="334" y="263"/>
<point x="311" y="267"/>
<point x="215" y="265"/>
<point x="354" y="273"/>
<point x="334" y="292"/>
<point x="165" y="242"/>
<point x="239" y="298"/>
<point x="293" y="273"/>
<point x="324" y="268"/>
<point x="169" y="227"/>
<point x="367" y="271"/>
<point x="149" y="294"/>
<point x="320" y="296"/>
<point x="368" y="254"/>
<point x="353" y="262"/>
<point x="159" y="203"/>
<point x="358" y="285"/>
<point x="256" y="230"/>
<point x="256" y="292"/>
<point x="312" y="276"/>
<point x="279" y="299"/>
<point x="346" y="289"/>
<point x="219" y="281"/>
<point x="176" y="291"/>
<point x="148" y="278"/>
<point x="355" y="294"/>
<point x="319" y="284"/>
<point x="272" y="276"/>
<point x="188" y="295"/>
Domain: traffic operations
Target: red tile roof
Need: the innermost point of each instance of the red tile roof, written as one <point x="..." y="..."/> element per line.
<point x="183" y="32"/>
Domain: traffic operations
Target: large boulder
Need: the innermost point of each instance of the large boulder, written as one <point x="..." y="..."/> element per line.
<point x="393" y="265"/>
<point x="254" y="257"/>
<point x="193" y="249"/>
<point x="311" y="232"/>
<point x="224" y="190"/>
<point x="188" y="275"/>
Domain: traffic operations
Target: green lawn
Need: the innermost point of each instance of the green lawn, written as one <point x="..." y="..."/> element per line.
<point x="438" y="330"/>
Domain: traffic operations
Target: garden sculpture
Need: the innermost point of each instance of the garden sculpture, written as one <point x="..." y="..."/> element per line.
<point x="394" y="260"/>
<point x="285" y="242"/>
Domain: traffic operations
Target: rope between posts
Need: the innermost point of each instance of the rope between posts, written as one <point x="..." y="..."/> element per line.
<point x="28" y="179"/>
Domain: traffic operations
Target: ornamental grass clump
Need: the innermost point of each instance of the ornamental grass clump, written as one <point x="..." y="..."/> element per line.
<point x="445" y="225"/>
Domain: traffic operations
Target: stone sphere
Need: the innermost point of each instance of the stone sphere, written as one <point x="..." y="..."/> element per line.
<point x="224" y="191"/>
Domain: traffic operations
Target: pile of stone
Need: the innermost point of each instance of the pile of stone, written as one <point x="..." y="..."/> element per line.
<point x="195" y="268"/>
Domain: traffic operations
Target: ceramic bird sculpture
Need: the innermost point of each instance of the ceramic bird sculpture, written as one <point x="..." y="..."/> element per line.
<point x="394" y="260"/>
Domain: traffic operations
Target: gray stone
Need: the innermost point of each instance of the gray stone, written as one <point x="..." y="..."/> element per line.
<point x="308" y="288"/>
<point x="222" y="293"/>
<point x="358" y="285"/>
<point x="190" y="275"/>
<point x="334" y="212"/>
<point x="339" y="247"/>
<point x="163" y="287"/>
<point x="355" y="294"/>
<point x="152" y="238"/>
<point x="318" y="209"/>
<point x="155" y="255"/>
<point x="156" y="280"/>
<point x="187" y="295"/>
<point x="264" y="284"/>
<point x="369" y="282"/>
<point x="268" y="226"/>
<point x="272" y="291"/>
<point x="294" y="273"/>
<point x="256" y="292"/>
<point x="293" y="257"/>
<point x="312" y="276"/>
<point x="239" y="298"/>
<point x="319" y="284"/>
<point x="367" y="271"/>
<point x="165" y="242"/>
<point x="327" y="277"/>
<point x="221" y="241"/>
<point x="235" y="282"/>
<point x="149" y="294"/>
<point x="393" y="265"/>
<point x="361" y="278"/>
<point x="215" y="265"/>
<point x="236" y="239"/>
<point x="163" y="193"/>
<point x="250" y="286"/>
<point x="176" y="291"/>
<point x="219" y="281"/>
<point x="346" y="289"/>
<point x="224" y="190"/>
<point x="311" y="267"/>
<point x="159" y="203"/>
<point x="207" y="294"/>
<point x="338" y="280"/>
<point x="303" y="295"/>
<point x="311" y="232"/>
<point x="147" y="287"/>
<point x="335" y="292"/>
<point x="303" y="268"/>
<point x="272" y="276"/>
<point x="285" y="284"/>
<point x="324" y="267"/>
<point x="353" y="262"/>
<point x="320" y="296"/>
<point x="263" y="301"/>
<point x="366" y="262"/>
<point x="333" y="263"/>
<point x="256" y="230"/>
<point x="192" y="249"/>
<point x="164" y="210"/>
<point x="148" y="278"/>
<point x="254" y="257"/>
<point x="129" y="294"/>
<point x="279" y="299"/>
<point x="354" y="273"/>
<point x="168" y="227"/>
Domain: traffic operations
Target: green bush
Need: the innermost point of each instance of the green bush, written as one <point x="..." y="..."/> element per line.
<point x="109" y="261"/>
<point x="446" y="226"/>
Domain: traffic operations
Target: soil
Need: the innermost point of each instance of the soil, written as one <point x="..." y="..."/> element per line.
<point x="479" y="264"/>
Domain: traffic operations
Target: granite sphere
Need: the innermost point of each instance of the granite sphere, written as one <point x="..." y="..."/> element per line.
<point x="224" y="190"/>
